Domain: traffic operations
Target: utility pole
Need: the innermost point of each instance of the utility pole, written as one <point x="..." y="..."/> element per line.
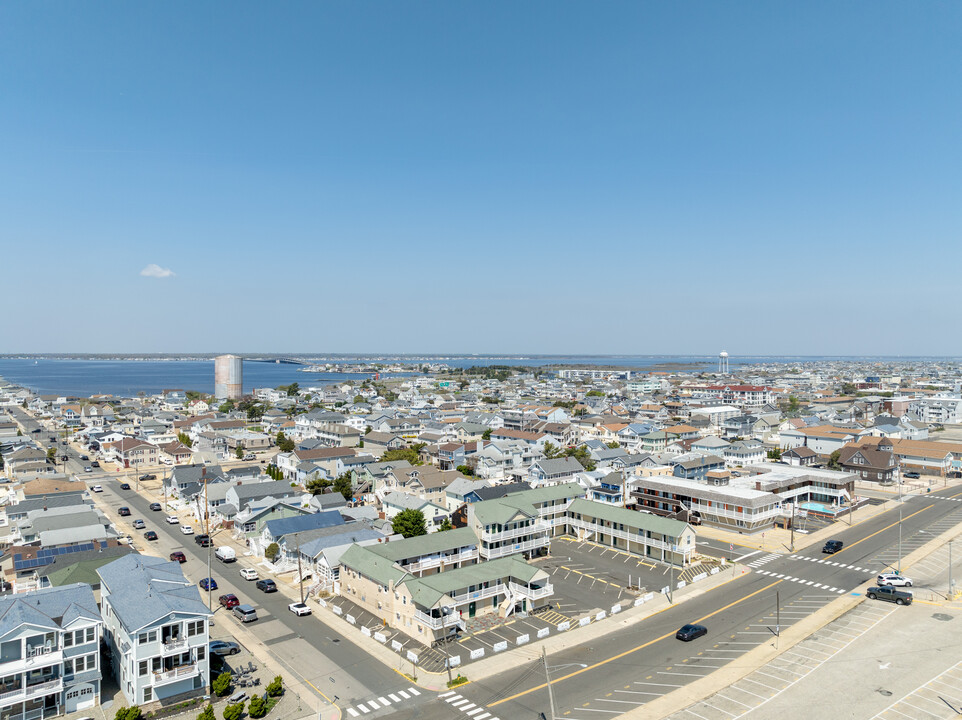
<point x="899" y="569"/>
<point x="794" y="503"/>
<point x="950" y="569"/>
<point x="547" y="677"/>
<point x="671" y="578"/>
<point x="778" y="619"/>
<point x="300" y="574"/>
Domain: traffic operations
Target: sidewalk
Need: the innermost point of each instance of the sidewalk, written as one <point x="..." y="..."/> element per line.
<point x="516" y="657"/>
<point x="311" y="700"/>
<point x="760" y="656"/>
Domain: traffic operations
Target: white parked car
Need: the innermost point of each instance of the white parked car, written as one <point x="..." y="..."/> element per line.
<point x="187" y="529"/>
<point x="97" y="488"/>
<point x="173" y="519"/>
<point x="893" y="579"/>
<point x="88" y="469"/>
<point x="299" y="608"/>
<point x="248" y="573"/>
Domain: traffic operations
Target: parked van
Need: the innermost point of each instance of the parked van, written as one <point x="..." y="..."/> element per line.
<point x="245" y="613"/>
<point x="225" y="554"/>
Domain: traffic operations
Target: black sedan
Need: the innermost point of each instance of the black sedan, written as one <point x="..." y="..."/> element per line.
<point x="125" y="486"/>
<point x="123" y="511"/>
<point x="150" y="535"/>
<point x="690" y="632"/>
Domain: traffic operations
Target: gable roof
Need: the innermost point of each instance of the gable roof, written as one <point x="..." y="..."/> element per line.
<point x="51" y="608"/>
<point x="286" y="526"/>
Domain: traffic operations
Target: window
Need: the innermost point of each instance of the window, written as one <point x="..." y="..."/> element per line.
<point x="195" y="627"/>
<point x="147" y="637"/>
<point x="90" y="634"/>
<point x="201" y="653"/>
<point x="148" y="694"/>
<point x="142" y="668"/>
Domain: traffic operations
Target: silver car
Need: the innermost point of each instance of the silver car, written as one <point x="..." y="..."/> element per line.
<point x="893" y="579"/>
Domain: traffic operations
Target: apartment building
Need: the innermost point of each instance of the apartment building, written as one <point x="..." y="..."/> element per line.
<point x="157" y="628"/>
<point x="49" y="652"/>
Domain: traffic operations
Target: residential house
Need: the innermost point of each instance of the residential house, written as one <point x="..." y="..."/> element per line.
<point x="157" y="629"/>
<point x="50" y="641"/>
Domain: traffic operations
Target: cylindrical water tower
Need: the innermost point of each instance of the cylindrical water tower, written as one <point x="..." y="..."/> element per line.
<point x="228" y="377"/>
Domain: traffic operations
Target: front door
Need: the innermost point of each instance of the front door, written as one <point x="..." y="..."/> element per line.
<point x="471" y="609"/>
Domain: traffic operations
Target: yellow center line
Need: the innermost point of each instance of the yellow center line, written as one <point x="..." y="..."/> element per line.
<point x="634" y="649"/>
<point x="849" y="547"/>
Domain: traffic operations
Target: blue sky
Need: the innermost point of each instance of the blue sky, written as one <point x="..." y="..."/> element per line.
<point x="539" y="177"/>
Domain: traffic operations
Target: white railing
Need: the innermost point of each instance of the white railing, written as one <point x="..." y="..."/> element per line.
<point x="174" y="644"/>
<point x="551" y="509"/>
<point x="624" y="535"/>
<point x="530" y="592"/>
<point x="185" y="671"/>
<point x="514" y="548"/>
<point x="31" y="691"/>
<point x="437" y="560"/>
<point x="45" y="688"/>
<point x="436" y="623"/>
<point x="531" y="529"/>
<point x="481" y="594"/>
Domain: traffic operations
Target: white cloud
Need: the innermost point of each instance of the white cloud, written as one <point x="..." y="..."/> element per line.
<point x="156" y="271"/>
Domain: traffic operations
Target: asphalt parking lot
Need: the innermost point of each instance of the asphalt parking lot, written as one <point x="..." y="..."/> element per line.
<point x="588" y="579"/>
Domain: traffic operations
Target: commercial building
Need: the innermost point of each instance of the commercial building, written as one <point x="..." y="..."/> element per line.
<point x="228" y="377"/>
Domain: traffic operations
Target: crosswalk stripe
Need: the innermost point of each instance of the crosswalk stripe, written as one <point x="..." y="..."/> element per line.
<point x="353" y="712"/>
<point x="363" y="708"/>
<point x="394" y="697"/>
<point x="453" y="698"/>
<point x="460" y="702"/>
<point x="383" y="701"/>
<point x="475" y="711"/>
<point x="404" y="694"/>
<point x="445" y="694"/>
<point x="414" y="691"/>
<point x="483" y="716"/>
<point x="465" y="708"/>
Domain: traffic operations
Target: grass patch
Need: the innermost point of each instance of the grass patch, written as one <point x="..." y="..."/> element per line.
<point x="459" y="680"/>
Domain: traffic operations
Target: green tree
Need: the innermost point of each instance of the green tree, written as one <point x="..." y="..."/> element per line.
<point x="128" y="713"/>
<point x="613" y="445"/>
<point x="833" y="460"/>
<point x="51" y="453"/>
<point x="272" y="551"/>
<point x="793" y="404"/>
<point x="409" y="523"/>
<point x="184" y="439"/>
<point x="486" y="435"/>
<point x="465" y="470"/>
<point x="293" y="389"/>
<point x="594" y="393"/>
<point x="445" y="525"/>
<point x="344" y="484"/>
<point x="221" y="684"/>
<point x="207" y="713"/>
<point x="317" y="485"/>
<point x="774" y="454"/>
<point x="551" y="451"/>
<point x="490" y="400"/>
<point x="234" y="711"/>
<point x="359" y="399"/>
<point x="257" y="707"/>
<point x="239" y="452"/>
<point x="284" y="443"/>
<point x="226" y="406"/>
<point x="408" y="453"/>
<point x="275" y="687"/>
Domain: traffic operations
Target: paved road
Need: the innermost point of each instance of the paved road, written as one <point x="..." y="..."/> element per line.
<point x="323" y="658"/>
<point x="623" y="672"/>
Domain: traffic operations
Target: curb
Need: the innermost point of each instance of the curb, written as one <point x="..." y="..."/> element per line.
<point x="758" y="657"/>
